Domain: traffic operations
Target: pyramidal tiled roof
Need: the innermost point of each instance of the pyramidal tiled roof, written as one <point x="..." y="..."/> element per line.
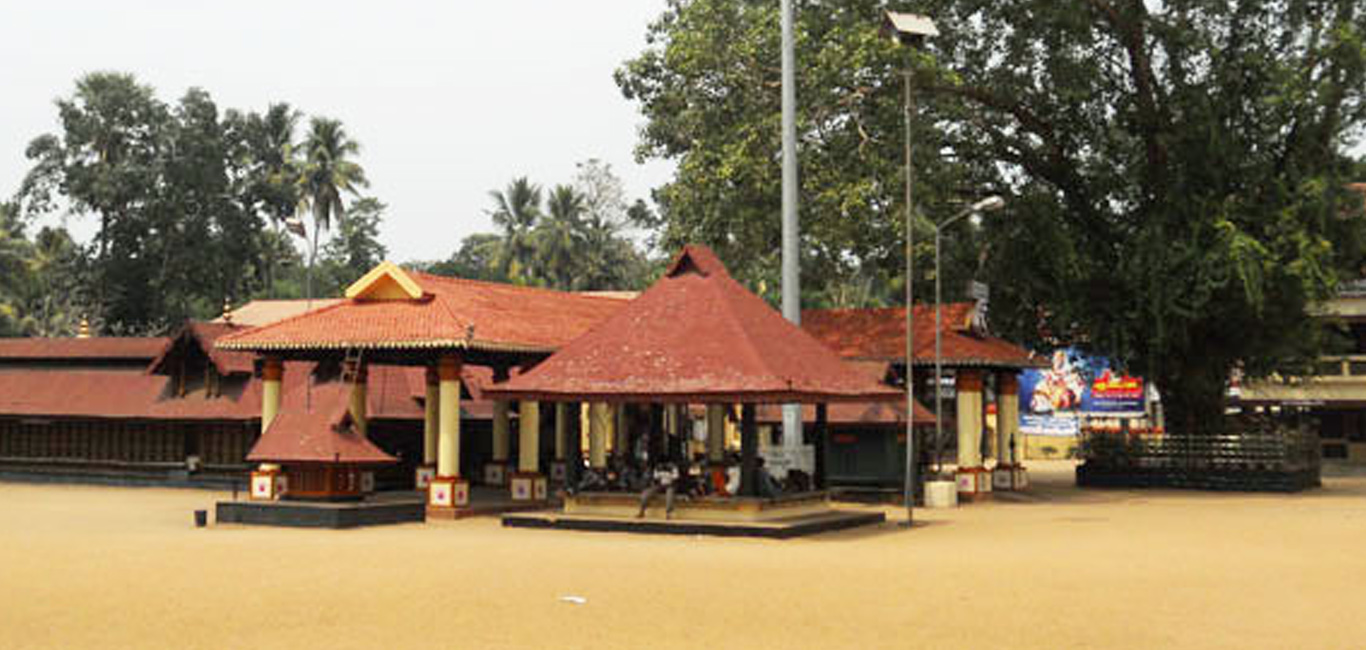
<point x="696" y="335"/>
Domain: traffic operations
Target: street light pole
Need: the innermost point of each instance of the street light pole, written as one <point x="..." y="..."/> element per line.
<point x="989" y="204"/>
<point x="909" y="30"/>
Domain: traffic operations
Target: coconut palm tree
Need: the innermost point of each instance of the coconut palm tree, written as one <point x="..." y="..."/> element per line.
<point x="328" y="172"/>
<point x="516" y="210"/>
<point x="560" y="237"/>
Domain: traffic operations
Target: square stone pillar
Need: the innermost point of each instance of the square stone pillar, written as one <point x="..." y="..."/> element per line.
<point x="448" y="491"/>
<point x="431" y="430"/>
<point x="973" y="479"/>
<point x="557" y="466"/>
<point x="528" y="484"/>
<point x="599" y="428"/>
<point x="496" y="471"/>
<point x="272" y="374"/>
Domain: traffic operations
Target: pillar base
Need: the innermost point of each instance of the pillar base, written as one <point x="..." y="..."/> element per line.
<point x="558" y="471"/>
<point x="367" y="482"/>
<point x="422" y="479"/>
<point x="268" y="485"/>
<point x="1019" y="477"/>
<point x="529" y="486"/>
<point x="496" y="473"/>
<point x="974" y="483"/>
<point x="448" y="492"/>
<point x="1003" y="478"/>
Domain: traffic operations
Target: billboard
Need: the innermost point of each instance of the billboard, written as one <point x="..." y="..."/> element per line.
<point x="1054" y="400"/>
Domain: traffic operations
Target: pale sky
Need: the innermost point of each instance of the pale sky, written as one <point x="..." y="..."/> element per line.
<point x="448" y="99"/>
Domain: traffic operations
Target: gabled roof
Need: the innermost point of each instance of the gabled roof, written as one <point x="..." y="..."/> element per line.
<point x="76" y="349"/>
<point x="324" y="433"/>
<point x="451" y="313"/>
<point x="880" y="334"/>
<point x="696" y="335"/>
<point x="202" y="336"/>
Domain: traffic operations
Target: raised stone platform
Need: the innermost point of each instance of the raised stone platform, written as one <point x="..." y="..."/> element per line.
<point x="797" y="526"/>
<point x="781" y="518"/>
<point x="312" y="514"/>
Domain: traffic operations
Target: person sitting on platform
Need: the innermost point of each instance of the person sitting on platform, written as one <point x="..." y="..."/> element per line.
<point x="766" y="486"/>
<point x="665" y="478"/>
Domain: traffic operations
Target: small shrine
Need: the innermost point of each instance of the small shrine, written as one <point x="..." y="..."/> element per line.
<point x="316" y="454"/>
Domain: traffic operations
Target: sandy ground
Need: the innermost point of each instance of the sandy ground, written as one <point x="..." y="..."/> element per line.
<point x="89" y="567"/>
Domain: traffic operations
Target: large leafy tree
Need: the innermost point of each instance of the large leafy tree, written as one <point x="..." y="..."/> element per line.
<point x="558" y="239"/>
<point x="1175" y="170"/>
<point x="1179" y="165"/>
<point x="270" y="175"/>
<point x="329" y="172"/>
<point x="355" y="247"/>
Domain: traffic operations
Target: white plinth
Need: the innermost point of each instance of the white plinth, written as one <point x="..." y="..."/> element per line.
<point x="941" y="494"/>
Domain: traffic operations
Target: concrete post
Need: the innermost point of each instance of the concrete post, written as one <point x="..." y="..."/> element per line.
<point x="972" y="480"/>
<point x="599" y="428"/>
<point x="359" y="403"/>
<point x="448" y="492"/>
<point x="501" y="425"/>
<point x="431" y="430"/>
<point x="528" y="484"/>
<point x="716" y="433"/>
<point x="1008" y="422"/>
<point x="272" y="373"/>
<point x="448" y="448"/>
<point x="561" y="430"/>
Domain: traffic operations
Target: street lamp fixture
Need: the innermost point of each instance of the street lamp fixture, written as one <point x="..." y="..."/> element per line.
<point x="910" y="30"/>
<point x="989" y="204"/>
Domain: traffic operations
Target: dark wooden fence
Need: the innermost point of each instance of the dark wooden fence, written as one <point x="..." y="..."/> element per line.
<point x="1259" y="455"/>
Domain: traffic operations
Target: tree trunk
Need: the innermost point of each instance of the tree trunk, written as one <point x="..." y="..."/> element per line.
<point x="1193" y="402"/>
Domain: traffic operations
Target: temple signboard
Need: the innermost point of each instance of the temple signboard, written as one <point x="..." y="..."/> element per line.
<point x="1054" y="400"/>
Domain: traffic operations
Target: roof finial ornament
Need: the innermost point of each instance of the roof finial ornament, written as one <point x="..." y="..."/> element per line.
<point x="227" y="310"/>
<point x="84" y="331"/>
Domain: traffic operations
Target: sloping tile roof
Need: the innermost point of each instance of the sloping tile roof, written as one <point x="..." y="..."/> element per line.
<point x="264" y="312"/>
<point x="696" y="335"/>
<point x="323" y="433"/>
<point x="454" y="313"/>
<point x="880" y="334"/>
<point x="133" y="394"/>
<point x="129" y="348"/>
<point x="852" y="413"/>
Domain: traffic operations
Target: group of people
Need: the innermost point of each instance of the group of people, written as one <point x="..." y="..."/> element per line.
<point x="690" y="479"/>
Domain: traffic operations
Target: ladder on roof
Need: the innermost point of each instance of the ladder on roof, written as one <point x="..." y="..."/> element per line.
<point x="350" y="370"/>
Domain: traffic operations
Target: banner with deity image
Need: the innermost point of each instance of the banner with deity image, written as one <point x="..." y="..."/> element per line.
<point x="1054" y="400"/>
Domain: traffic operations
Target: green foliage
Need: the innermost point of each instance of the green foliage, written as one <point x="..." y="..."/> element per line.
<point x="183" y="195"/>
<point x="1174" y="172"/>
<point x="355" y="248"/>
<point x="575" y="241"/>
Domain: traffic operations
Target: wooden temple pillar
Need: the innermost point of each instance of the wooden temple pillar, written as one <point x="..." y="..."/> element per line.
<point x="448" y="490"/>
<point x="267" y="481"/>
<point x="973" y="479"/>
<point x="822" y="439"/>
<point x="749" y="452"/>
<point x="431" y="430"/>
<point x="716" y="444"/>
<point x="528" y="483"/>
<point x="1010" y="472"/>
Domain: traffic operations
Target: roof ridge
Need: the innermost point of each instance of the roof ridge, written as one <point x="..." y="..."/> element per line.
<point x="228" y="339"/>
<point x="516" y="287"/>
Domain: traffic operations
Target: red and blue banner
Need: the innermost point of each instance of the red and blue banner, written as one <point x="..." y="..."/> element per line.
<point x="1054" y="400"/>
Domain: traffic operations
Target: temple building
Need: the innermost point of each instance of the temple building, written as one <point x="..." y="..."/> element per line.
<point x="984" y="370"/>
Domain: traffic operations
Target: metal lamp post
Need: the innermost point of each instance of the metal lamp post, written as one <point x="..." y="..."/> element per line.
<point x="909" y="30"/>
<point x="989" y="204"/>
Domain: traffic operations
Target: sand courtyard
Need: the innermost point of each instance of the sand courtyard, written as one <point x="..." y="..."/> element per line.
<point x="106" y="567"/>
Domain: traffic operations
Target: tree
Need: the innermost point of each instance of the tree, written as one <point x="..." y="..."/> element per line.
<point x="1174" y="170"/>
<point x="558" y="239"/>
<point x="517" y="210"/>
<point x="355" y="248"/>
<point x="478" y="258"/>
<point x="1182" y="164"/>
<point x="272" y="172"/>
<point x="14" y="251"/>
<point x="328" y="173"/>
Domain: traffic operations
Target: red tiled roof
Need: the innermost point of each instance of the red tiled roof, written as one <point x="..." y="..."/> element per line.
<point x="880" y="334"/>
<point x="133" y="394"/>
<point x="453" y="313"/>
<point x="324" y="433"/>
<point x="203" y="336"/>
<point x="696" y="335"/>
<point x="75" y="348"/>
